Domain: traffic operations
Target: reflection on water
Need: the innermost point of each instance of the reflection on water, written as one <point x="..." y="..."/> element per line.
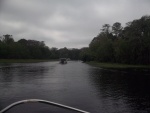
<point x="124" y="91"/>
<point x="75" y="84"/>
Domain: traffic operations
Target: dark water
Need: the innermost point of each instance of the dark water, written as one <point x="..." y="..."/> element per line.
<point x="75" y="84"/>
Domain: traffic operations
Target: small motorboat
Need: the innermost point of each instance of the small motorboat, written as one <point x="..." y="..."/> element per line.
<point x="41" y="101"/>
<point x="63" y="60"/>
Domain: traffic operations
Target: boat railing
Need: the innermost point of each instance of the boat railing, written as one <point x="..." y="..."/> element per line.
<point x="41" y="101"/>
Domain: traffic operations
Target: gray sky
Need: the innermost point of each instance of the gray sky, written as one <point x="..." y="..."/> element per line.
<point x="66" y="23"/>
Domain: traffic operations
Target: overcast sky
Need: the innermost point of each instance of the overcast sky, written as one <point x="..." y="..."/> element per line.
<point x="66" y="23"/>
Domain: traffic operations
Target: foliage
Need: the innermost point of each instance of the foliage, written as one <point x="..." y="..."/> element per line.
<point x="73" y="54"/>
<point x="33" y="49"/>
<point x="115" y="44"/>
<point x="85" y="54"/>
<point x="130" y="45"/>
<point x="23" y="49"/>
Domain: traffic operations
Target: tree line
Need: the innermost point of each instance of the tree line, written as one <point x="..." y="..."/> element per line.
<point x="32" y="49"/>
<point x="117" y="44"/>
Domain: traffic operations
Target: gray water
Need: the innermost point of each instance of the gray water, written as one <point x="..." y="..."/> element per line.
<point x="74" y="84"/>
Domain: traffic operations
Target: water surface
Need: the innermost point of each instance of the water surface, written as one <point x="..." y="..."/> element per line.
<point x="75" y="84"/>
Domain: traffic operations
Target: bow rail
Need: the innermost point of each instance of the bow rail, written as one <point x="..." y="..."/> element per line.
<point x="41" y="101"/>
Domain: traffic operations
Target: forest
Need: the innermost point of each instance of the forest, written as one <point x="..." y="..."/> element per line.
<point x="117" y="44"/>
<point x="114" y="44"/>
<point x="32" y="49"/>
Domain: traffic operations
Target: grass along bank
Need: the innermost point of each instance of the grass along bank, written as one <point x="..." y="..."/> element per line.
<point x="24" y="60"/>
<point x="117" y="66"/>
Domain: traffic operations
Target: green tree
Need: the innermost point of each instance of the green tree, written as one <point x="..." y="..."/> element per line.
<point x="85" y="54"/>
<point x="7" y="39"/>
<point x="117" y="29"/>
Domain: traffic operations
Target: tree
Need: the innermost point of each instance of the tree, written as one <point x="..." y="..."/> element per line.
<point x="7" y="39"/>
<point x="130" y="45"/>
<point x="74" y="54"/>
<point x="54" y="53"/>
<point x="85" y="54"/>
<point x="63" y="53"/>
<point x="116" y="29"/>
<point x="23" y="42"/>
<point x="105" y="28"/>
<point x="23" y="49"/>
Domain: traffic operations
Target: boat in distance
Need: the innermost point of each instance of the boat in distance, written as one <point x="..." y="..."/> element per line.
<point x="63" y="61"/>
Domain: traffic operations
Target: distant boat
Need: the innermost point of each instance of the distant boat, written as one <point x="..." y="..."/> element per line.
<point x="41" y="101"/>
<point x="63" y="60"/>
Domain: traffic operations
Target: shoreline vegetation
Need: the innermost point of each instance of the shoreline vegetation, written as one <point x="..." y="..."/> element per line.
<point x="25" y="60"/>
<point x="119" y="66"/>
<point x="114" y="44"/>
<point x="121" y="45"/>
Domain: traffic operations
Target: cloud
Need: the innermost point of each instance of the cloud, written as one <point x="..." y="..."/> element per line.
<point x="65" y="23"/>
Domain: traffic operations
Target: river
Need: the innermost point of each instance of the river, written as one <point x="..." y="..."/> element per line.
<point x="74" y="84"/>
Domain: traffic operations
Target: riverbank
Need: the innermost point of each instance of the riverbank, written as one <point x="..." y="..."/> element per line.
<point x="24" y="60"/>
<point x="118" y="66"/>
